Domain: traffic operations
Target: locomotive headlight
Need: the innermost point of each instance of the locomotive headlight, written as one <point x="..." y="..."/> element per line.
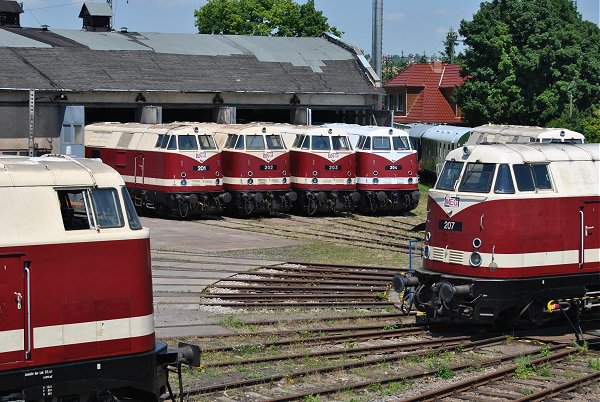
<point x="426" y="251"/>
<point x="250" y="181"/>
<point x="284" y="180"/>
<point x="217" y="182"/>
<point x="315" y="180"/>
<point x="375" y="180"/>
<point x="410" y="180"/>
<point x="476" y="242"/>
<point x="475" y="259"/>
<point x="349" y="181"/>
<point x="427" y="236"/>
<point x="284" y="173"/>
<point x="376" y="173"/>
<point x="217" y="173"/>
<point x="314" y="173"/>
<point x="410" y="172"/>
<point x="349" y="173"/>
<point x="250" y="173"/>
<point x="183" y="175"/>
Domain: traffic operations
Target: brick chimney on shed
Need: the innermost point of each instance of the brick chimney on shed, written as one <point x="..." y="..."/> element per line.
<point x="9" y="13"/>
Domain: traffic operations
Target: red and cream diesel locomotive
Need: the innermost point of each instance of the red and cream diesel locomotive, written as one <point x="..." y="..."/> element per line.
<point x="174" y="169"/>
<point x="256" y="168"/>
<point x="511" y="227"/>
<point x="323" y="168"/>
<point x="387" y="172"/>
<point x="74" y="326"/>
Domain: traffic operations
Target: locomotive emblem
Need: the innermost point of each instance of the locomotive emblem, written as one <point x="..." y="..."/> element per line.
<point x="201" y="155"/>
<point x="333" y="155"/>
<point x="268" y="155"/>
<point x="451" y="201"/>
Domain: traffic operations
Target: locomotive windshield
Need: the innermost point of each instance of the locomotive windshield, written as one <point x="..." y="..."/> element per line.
<point x="532" y="177"/>
<point x="255" y="142"/>
<point x="187" y="143"/>
<point x="231" y="140"/>
<point x="400" y="143"/>
<point x="449" y="175"/>
<point x="504" y="182"/>
<point x="274" y="142"/>
<point x="132" y="216"/>
<point x="381" y="143"/>
<point x="320" y="143"/>
<point x="107" y="208"/>
<point x="340" y="143"/>
<point x="477" y="178"/>
<point x="206" y="142"/>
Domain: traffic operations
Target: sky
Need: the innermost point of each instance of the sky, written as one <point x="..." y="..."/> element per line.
<point x="409" y="26"/>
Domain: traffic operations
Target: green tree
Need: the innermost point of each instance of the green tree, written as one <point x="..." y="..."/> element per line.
<point x="262" y="18"/>
<point x="450" y="46"/>
<point x="525" y="59"/>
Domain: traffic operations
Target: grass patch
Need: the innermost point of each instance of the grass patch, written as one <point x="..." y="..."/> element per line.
<point x="524" y="368"/>
<point x="594" y="363"/>
<point x="232" y="321"/>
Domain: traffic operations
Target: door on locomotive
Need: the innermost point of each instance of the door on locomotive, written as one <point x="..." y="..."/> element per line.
<point x="589" y="213"/>
<point x="13" y="309"/>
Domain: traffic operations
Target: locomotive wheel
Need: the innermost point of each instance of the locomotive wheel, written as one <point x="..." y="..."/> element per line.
<point x="184" y="209"/>
<point x="248" y="207"/>
<point x="312" y="206"/>
<point x="372" y="205"/>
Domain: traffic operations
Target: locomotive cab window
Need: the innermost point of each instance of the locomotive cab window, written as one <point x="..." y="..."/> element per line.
<point x="107" y="208"/>
<point x="75" y="209"/>
<point x="532" y="177"/>
<point x="159" y="140"/>
<point x="132" y="216"/>
<point x="240" y="142"/>
<point x="504" y="182"/>
<point x="187" y="142"/>
<point x="320" y="143"/>
<point x="255" y="142"/>
<point x="449" y="175"/>
<point x="367" y="144"/>
<point x="400" y="143"/>
<point x="477" y="178"/>
<point x="340" y="143"/>
<point x="172" y="143"/>
<point x="231" y="140"/>
<point x="361" y="142"/>
<point x="274" y="142"/>
<point x="298" y="141"/>
<point x="165" y="141"/>
<point x="206" y="142"/>
<point x="381" y="143"/>
<point x="306" y="142"/>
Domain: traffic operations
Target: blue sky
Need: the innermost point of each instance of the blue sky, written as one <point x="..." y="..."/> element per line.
<point x="409" y="26"/>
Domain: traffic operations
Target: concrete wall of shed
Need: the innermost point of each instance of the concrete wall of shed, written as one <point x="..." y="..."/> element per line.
<point x="14" y="133"/>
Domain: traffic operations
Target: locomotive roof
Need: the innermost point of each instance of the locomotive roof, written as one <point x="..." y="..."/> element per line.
<point x="526" y="153"/>
<point x="448" y="134"/>
<point x="367" y="130"/>
<point x="515" y="133"/>
<point x="56" y="170"/>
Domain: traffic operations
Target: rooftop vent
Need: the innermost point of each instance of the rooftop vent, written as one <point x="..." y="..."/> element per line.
<point x="9" y="13"/>
<point x="96" y="16"/>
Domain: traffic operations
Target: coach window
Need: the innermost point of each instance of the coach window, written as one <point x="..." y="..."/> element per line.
<point x="255" y="142"/>
<point x="504" y="182"/>
<point x="477" y="178"/>
<point x="449" y="175"/>
<point x="206" y="142"/>
<point x="340" y="143"/>
<point x="381" y="143"/>
<point x="75" y="209"/>
<point x="524" y="177"/>
<point x="187" y="143"/>
<point x="107" y="208"/>
<point x="132" y="217"/>
<point x="320" y="143"/>
<point x="274" y="142"/>
<point x="159" y="140"/>
<point x="400" y="143"/>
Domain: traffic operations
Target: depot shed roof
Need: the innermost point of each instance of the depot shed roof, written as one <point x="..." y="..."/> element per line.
<point x="80" y="60"/>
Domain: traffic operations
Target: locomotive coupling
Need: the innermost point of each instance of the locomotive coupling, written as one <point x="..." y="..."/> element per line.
<point x="401" y="282"/>
<point x="447" y="291"/>
<point x="188" y="354"/>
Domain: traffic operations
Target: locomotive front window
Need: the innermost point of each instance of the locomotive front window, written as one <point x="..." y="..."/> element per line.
<point x="477" y="178"/>
<point x="541" y="177"/>
<point x="159" y="140"/>
<point x="165" y="141"/>
<point x="361" y="142"/>
<point x="107" y="208"/>
<point x="340" y="143"/>
<point x="74" y="208"/>
<point x="306" y="142"/>
<point x="367" y="144"/>
<point x="231" y="140"/>
<point x="524" y="177"/>
<point x="320" y="143"/>
<point x="449" y="175"/>
<point x="172" y="143"/>
<point x="206" y="142"/>
<point x="400" y="143"/>
<point x="381" y="143"/>
<point x="187" y="143"/>
<point x="255" y="142"/>
<point x="298" y="141"/>
<point x="132" y="216"/>
<point x="504" y="182"/>
<point x="240" y="142"/>
<point x="274" y="142"/>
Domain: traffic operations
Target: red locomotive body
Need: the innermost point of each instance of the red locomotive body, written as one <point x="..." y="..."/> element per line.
<point x="72" y="323"/>
<point x="387" y="174"/>
<point x="510" y="227"/>
<point x="256" y="168"/>
<point x="323" y="169"/>
<point x="174" y="169"/>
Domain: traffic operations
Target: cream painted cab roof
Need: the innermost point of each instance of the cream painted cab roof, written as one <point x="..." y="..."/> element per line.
<point x="56" y="170"/>
<point x="527" y="153"/>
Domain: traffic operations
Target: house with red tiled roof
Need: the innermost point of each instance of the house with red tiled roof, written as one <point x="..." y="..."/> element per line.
<point x="422" y="93"/>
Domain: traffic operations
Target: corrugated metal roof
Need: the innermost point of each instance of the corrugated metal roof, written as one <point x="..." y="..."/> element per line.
<point x="10" y="39"/>
<point x="95" y="9"/>
<point x="101" y="40"/>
